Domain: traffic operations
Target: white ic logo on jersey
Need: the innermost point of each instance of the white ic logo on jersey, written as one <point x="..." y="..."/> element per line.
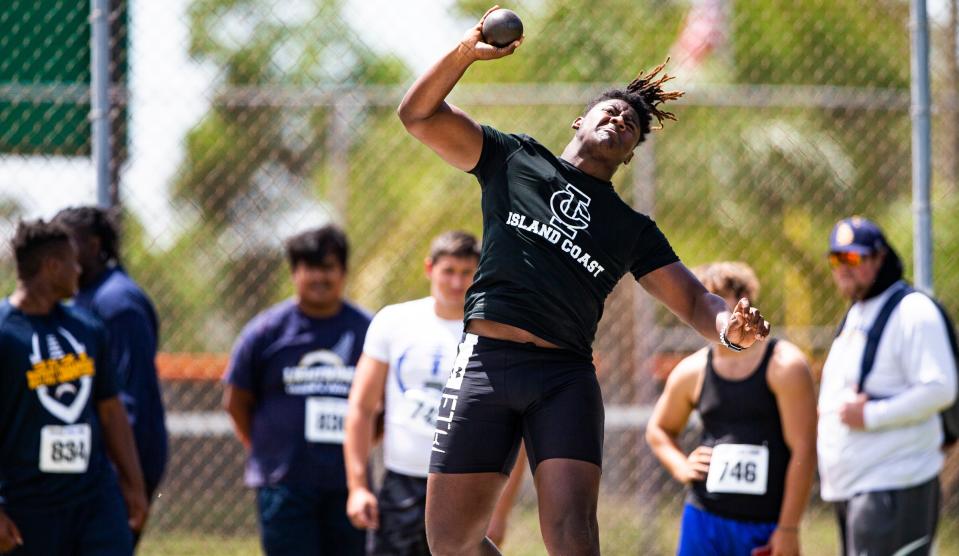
<point x="569" y="210"/>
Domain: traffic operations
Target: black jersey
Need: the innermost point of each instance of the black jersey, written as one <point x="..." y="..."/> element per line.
<point x="742" y="413"/>
<point x="555" y="242"/>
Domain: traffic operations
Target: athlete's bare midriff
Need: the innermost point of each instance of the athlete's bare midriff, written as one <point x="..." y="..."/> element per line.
<point x="500" y="331"/>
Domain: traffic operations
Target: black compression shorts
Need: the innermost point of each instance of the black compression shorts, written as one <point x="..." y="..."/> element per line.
<point x="500" y="392"/>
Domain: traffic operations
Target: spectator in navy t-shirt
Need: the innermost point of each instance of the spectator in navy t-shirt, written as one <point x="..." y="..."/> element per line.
<point x="131" y="322"/>
<point x="286" y="390"/>
<point x="59" y="415"/>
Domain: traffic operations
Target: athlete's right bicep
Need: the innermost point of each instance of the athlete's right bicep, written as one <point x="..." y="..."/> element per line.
<point x="452" y="134"/>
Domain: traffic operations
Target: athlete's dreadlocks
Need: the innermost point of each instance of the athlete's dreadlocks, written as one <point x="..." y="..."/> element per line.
<point x="645" y="94"/>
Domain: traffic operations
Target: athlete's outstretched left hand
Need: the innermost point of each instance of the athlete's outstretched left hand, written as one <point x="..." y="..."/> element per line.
<point x="746" y="325"/>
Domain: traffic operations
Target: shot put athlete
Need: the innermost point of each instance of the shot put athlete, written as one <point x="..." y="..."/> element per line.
<point x="556" y="240"/>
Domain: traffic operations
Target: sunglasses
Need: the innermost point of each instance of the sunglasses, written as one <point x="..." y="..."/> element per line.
<point x="845" y="259"/>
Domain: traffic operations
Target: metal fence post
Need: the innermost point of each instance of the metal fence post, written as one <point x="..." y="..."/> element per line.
<point x="99" y="97"/>
<point x="921" y="147"/>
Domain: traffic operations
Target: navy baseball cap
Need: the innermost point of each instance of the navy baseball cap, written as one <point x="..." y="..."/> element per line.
<point x="856" y="235"/>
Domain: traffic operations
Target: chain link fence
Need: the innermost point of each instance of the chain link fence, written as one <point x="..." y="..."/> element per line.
<point x="239" y="122"/>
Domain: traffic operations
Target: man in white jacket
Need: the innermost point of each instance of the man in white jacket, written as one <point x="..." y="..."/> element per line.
<point x="880" y="440"/>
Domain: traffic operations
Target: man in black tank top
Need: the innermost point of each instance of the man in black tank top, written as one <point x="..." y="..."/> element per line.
<point x="556" y="240"/>
<point x="751" y="473"/>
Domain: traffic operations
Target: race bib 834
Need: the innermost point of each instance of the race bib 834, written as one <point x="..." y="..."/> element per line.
<point x="65" y="449"/>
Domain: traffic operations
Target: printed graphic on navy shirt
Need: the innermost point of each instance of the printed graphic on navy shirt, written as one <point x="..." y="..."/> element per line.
<point x="299" y="370"/>
<point x="51" y="374"/>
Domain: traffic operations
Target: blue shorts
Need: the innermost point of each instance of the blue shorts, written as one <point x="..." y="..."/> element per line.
<point x="306" y="521"/>
<point x="707" y="534"/>
<point x="94" y="527"/>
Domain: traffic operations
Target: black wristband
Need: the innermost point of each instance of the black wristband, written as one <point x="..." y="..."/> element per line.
<point x="725" y="342"/>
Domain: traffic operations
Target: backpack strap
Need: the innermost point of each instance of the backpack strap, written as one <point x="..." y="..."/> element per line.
<point x="875" y="333"/>
<point x="949" y="416"/>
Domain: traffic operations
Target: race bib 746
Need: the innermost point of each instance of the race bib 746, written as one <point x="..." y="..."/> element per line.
<point x="739" y="469"/>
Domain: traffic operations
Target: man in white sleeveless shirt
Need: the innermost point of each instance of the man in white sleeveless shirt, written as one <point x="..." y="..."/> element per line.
<point x="407" y="357"/>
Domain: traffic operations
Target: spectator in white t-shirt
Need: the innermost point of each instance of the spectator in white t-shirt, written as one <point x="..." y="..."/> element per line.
<point x="880" y="445"/>
<point x="407" y="357"/>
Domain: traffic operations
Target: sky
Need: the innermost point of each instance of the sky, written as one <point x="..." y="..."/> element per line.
<point x="169" y="95"/>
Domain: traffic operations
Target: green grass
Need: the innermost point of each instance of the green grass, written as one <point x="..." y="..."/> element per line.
<point x="196" y="544"/>
<point x="625" y="529"/>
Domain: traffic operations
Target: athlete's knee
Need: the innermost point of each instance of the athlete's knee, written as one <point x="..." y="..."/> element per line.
<point x="453" y="533"/>
<point x="573" y="532"/>
<point x="442" y="542"/>
<point x="445" y="542"/>
<point x="458" y="508"/>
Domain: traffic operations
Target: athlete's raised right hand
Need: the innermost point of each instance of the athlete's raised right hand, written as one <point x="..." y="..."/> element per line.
<point x="473" y="46"/>
<point x="697" y="465"/>
<point x="362" y="509"/>
<point x="10" y="537"/>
